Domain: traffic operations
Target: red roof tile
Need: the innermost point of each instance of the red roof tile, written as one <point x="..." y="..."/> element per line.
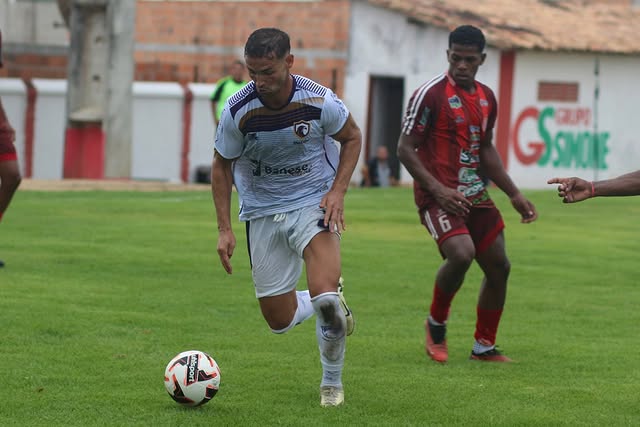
<point x="550" y="25"/>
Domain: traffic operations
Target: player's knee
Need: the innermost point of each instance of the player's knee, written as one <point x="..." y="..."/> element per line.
<point x="505" y="267"/>
<point x="499" y="270"/>
<point x="462" y="256"/>
<point x="280" y="326"/>
<point x="11" y="180"/>
<point x="17" y="179"/>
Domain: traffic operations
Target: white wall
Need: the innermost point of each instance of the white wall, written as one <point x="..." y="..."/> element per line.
<point x="32" y="22"/>
<point x="157" y="131"/>
<point x="615" y="113"/>
<point x="202" y="131"/>
<point x="49" y="128"/>
<point x="157" y="127"/>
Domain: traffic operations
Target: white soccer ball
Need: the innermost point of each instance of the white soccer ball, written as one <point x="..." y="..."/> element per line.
<point x="192" y="378"/>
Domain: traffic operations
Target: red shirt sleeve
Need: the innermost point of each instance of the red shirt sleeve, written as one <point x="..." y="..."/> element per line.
<point x="418" y="115"/>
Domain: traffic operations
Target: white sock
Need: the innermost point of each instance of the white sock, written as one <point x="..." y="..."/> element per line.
<point x="481" y="348"/>
<point x="303" y="312"/>
<point x="331" y="334"/>
<point x="305" y="308"/>
<point x="434" y="323"/>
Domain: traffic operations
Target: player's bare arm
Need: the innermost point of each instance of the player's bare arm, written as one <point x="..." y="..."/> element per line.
<point x="221" y="185"/>
<point x="451" y="200"/>
<point x="494" y="169"/>
<point x="624" y="185"/>
<point x="575" y="189"/>
<point x="350" y="139"/>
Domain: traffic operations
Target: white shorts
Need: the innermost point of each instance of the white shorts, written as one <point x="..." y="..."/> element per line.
<point x="276" y="243"/>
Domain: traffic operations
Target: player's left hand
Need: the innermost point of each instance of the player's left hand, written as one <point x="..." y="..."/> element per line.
<point x="226" y="246"/>
<point x="525" y="208"/>
<point x="333" y="205"/>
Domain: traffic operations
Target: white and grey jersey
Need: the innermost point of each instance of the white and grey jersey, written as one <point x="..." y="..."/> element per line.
<point x="284" y="159"/>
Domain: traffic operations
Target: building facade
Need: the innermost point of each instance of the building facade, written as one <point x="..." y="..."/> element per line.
<point x="565" y="97"/>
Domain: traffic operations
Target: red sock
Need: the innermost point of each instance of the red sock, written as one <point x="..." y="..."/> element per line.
<point x="487" y="325"/>
<point x="440" y="304"/>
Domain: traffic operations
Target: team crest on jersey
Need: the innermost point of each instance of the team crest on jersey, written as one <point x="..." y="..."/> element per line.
<point x="484" y="103"/>
<point x="302" y="128"/>
<point x="454" y="102"/>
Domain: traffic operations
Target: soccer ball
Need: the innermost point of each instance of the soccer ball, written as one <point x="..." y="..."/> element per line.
<point x="192" y="378"/>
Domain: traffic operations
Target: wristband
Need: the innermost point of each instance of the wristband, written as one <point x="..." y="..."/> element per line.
<point x="593" y="190"/>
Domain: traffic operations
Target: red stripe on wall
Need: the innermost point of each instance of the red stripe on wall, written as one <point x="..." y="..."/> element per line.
<point x="29" y="126"/>
<point x="186" y="133"/>
<point x="505" y="99"/>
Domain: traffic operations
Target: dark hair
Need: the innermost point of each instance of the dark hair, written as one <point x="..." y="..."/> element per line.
<point x="266" y="42"/>
<point x="467" y="35"/>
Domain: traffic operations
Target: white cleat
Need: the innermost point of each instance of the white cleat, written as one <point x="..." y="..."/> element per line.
<point x="331" y="396"/>
<point x="348" y="314"/>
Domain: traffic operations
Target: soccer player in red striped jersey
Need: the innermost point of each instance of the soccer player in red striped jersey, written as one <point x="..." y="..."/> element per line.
<point x="9" y="171"/>
<point x="446" y="138"/>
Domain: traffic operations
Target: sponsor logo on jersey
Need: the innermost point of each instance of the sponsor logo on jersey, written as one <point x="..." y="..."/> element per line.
<point x="454" y="102"/>
<point x="467" y="175"/>
<point x="257" y="169"/>
<point x="299" y="170"/>
<point x="484" y="103"/>
<point x="293" y="170"/>
<point x="468" y="157"/>
<point x="471" y="155"/>
<point x="474" y="133"/>
<point x="471" y="190"/>
<point x="301" y="128"/>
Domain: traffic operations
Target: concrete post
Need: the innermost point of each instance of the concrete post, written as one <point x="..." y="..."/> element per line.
<point x="120" y="74"/>
<point x="100" y="77"/>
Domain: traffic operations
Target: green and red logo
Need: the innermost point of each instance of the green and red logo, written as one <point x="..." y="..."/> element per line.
<point x="567" y="139"/>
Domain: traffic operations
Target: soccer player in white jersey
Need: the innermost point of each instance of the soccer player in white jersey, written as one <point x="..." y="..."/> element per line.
<point x="276" y="141"/>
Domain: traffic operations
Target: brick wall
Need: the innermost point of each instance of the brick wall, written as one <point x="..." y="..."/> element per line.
<point x="194" y="41"/>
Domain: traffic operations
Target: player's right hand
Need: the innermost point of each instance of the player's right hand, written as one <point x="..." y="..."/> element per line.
<point x="452" y="200"/>
<point x="572" y="189"/>
<point x="226" y="246"/>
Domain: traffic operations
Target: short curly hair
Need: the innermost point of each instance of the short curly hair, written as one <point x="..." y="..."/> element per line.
<point x="467" y="35"/>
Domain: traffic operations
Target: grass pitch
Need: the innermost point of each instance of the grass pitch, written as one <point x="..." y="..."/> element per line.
<point x="102" y="289"/>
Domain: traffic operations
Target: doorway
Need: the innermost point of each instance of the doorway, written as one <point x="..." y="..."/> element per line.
<point x="384" y="118"/>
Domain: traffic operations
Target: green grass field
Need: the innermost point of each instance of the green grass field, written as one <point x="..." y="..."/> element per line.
<point x="101" y="289"/>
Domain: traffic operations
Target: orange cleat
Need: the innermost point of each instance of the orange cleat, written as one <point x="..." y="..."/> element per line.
<point x="436" y="345"/>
